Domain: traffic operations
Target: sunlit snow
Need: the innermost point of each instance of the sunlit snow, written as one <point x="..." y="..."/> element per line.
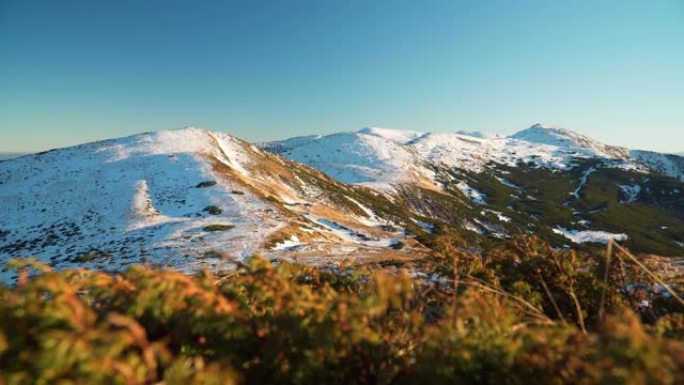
<point x="593" y="236"/>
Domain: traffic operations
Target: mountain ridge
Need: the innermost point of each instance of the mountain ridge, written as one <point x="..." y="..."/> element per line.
<point x="581" y="189"/>
<point x="178" y="198"/>
<point x="545" y="145"/>
<point x="192" y="198"/>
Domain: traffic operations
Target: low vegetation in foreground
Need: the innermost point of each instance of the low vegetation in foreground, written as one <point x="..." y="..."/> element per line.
<point x="520" y="314"/>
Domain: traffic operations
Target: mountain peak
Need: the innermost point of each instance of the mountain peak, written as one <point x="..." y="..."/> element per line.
<point x="548" y="130"/>
<point x="548" y="126"/>
<point x="174" y="196"/>
<point x="569" y="140"/>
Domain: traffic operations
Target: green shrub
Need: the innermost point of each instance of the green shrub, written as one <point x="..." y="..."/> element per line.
<point x="455" y="318"/>
<point x="84" y="258"/>
<point x="88" y="257"/>
<point x="273" y="199"/>
<point x="213" y="228"/>
<point x="213" y="210"/>
<point x="206" y="183"/>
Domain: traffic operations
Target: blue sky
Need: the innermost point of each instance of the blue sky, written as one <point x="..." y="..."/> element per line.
<point x="75" y="71"/>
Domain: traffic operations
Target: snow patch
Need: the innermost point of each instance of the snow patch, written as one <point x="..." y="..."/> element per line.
<point x="631" y="192"/>
<point x="350" y="235"/>
<point x="494" y="230"/>
<point x="498" y="214"/>
<point x="471" y="227"/>
<point x="593" y="236"/>
<point x="143" y="213"/>
<point x="288" y="244"/>
<point x="507" y="183"/>
<point x="582" y="181"/>
<point x="472" y="194"/>
<point x="370" y="219"/>
<point x="429" y="227"/>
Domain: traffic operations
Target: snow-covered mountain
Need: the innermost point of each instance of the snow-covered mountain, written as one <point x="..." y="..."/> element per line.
<point x="370" y="156"/>
<point x="184" y="198"/>
<point x="385" y="156"/>
<point x="543" y="180"/>
<point x="192" y="198"/>
<point x="570" y="140"/>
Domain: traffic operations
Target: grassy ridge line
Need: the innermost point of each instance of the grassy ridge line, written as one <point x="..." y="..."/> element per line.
<point x="522" y="314"/>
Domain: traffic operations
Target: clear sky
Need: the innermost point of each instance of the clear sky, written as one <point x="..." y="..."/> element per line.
<point x="76" y="71"/>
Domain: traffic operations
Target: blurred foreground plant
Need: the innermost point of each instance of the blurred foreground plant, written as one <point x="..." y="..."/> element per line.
<point x="523" y="314"/>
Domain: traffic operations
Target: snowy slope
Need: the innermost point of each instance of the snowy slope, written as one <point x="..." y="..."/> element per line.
<point x="474" y="153"/>
<point x="125" y="196"/>
<point x="671" y="165"/>
<point x="192" y="198"/>
<point x="562" y="138"/>
<point x="178" y="198"/>
<point x="398" y="136"/>
<point x="578" y="236"/>
<point x="570" y="140"/>
<point x="371" y="156"/>
<point x="461" y="163"/>
<point x="386" y="156"/>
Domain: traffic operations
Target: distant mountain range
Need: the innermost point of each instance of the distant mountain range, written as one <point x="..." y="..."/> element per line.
<point x="547" y="180"/>
<point x="192" y="198"/>
<point x="379" y="155"/>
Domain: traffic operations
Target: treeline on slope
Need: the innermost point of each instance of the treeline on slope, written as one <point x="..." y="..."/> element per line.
<point x="520" y="314"/>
